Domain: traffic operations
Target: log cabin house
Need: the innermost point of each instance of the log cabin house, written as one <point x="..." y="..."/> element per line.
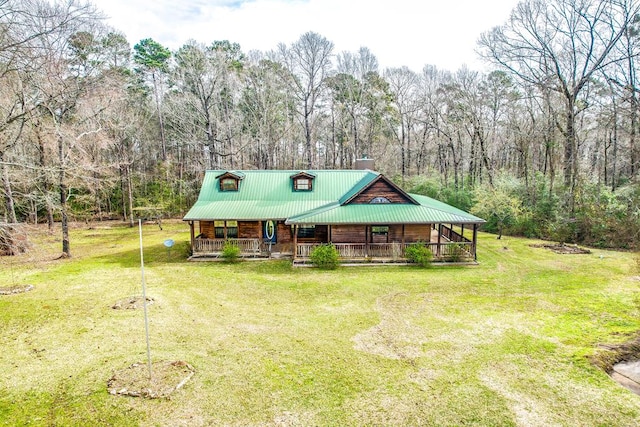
<point x="362" y="213"/>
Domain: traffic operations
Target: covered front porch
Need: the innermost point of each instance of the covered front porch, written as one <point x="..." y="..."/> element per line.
<point x="354" y="243"/>
<point x="447" y="242"/>
<point x="255" y="239"/>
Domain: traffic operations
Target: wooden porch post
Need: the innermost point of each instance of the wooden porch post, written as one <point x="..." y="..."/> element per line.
<point x="475" y="241"/>
<point x="462" y="231"/>
<point x="295" y="241"/>
<point x="193" y="236"/>
<point x="439" y="239"/>
<point x="329" y="233"/>
<point x="366" y="241"/>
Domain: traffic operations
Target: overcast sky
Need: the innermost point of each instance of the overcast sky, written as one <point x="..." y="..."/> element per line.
<point x="398" y="32"/>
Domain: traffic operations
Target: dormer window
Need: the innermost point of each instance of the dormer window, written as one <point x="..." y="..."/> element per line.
<point x="302" y="184"/>
<point x="303" y="181"/>
<point x="228" y="184"/>
<point x="379" y="200"/>
<point x="230" y="181"/>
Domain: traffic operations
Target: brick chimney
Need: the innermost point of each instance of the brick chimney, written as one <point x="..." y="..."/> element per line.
<point x="364" y="164"/>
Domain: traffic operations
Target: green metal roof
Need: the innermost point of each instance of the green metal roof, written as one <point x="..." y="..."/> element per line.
<point x="270" y="195"/>
<point x="237" y="174"/>
<point x="359" y="186"/>
<point x="429" y="211"/>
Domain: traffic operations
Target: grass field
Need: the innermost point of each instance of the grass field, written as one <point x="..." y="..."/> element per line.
<point x="504" y="343"/>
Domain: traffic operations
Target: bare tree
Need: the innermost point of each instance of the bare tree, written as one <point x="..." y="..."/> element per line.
<point x="403" y="85"/>
<point x="67" y="71"/>
<point x="207" y="79"/>
<point x="266" y="107"/>
<point x="352" y="87"/>
<point x="152" y="59"/>
<point x="623" y="82"/>
<point x="309" y="60"/>
<point x="560" y="45"/>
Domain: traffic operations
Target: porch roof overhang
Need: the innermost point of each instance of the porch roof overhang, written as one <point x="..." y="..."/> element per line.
<point x="246" y="210"/>
<point x="428" y="211"/>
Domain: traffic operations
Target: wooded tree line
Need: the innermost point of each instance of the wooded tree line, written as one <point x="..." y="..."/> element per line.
<point x="545" y="145"/>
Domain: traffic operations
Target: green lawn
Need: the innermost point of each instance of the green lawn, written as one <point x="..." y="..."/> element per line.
<point x="506" y="342"/>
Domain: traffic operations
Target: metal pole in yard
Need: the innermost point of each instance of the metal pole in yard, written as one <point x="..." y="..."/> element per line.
<point x="144" y="300"/>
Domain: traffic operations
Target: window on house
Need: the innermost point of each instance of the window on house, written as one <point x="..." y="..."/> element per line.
<point x="307" y="231"/>
<point x="219" y="229"/>
<point x="229" y="184"/>
<point x="380" y="230"/>
<point x="379" y="200"/>
<point x="232" y="229"/>
<point x="302" y="184"/>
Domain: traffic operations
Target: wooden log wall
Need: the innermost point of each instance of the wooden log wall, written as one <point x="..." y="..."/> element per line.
<point x="285" y="235"/>
<point x="348" y="234"/>
<point x="207" y="229"/>
<point x="395" y="233"/>
<point x="248" y="229"/>
<point x="417" y="233"/>
<point x="381" y="189"/>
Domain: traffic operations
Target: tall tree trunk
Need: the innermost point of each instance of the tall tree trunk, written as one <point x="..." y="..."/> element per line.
<point x="123" y="197"/>
<point x="307" y="134"/>
<point x="403" y="155"/>
<point x="614" y="142"/>
<point x="8" y="193"/>
<point x="485" y="158"/>
<point x="633" y="101"/>
<point x="98" y="201"/>
<point x="66" y="250"/>
<point x="570" y="164"/>
<point x="633" y="150"/>
<point x="156" y="93"/>
<point x="44" y="180"/>
<point x="129" y="194"/>
<point x="569" y="145"/>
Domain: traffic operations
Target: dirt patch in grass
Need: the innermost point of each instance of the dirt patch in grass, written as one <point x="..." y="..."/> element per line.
<point x="527" y="409"/>
<point x="610" y="354"/>
<point x="17" y="289"/>
<point x="395" y="337"/>
<point x="561" y="248"/>
<point x="166" y="377"/>
<point x="614" y="358"/>
<point x="131" y="303"/>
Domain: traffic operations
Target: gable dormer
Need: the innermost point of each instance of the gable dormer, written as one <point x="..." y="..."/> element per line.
<point x="302" y="181"/>
<point x="380" y="191"/>
<point x="230" y="181"/>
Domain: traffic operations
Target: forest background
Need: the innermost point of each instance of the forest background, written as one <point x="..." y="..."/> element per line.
<point x="544" y="145"/>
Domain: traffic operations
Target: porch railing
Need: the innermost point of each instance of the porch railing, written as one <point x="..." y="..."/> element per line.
<point x="212" y="246"/>
<point x="445" y="251"/>
<point x="453" y="236"/>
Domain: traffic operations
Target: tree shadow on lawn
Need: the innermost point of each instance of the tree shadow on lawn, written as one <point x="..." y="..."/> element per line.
<point x="156" y="254"/>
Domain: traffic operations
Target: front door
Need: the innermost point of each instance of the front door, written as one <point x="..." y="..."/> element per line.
<point x="270" y="232"/>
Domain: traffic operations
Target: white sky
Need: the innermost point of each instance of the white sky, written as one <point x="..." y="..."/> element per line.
<point x="398" y="32"/>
